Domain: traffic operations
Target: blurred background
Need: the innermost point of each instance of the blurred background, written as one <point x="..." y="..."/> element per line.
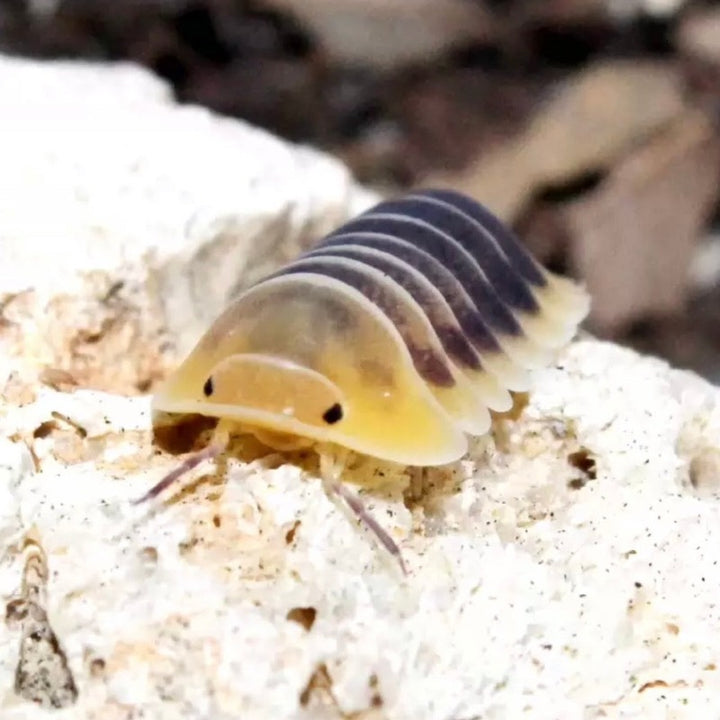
<point x="591" y="126"/>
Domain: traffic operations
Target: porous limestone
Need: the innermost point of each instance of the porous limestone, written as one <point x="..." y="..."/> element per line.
<point x="565" y="569"/>
<point x="127" y="220"/>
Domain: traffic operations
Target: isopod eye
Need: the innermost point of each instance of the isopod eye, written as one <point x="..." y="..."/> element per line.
<point x="208" y="387"/>
<point x="333" y="414"/>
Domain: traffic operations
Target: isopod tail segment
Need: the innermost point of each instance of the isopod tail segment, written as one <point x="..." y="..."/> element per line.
<point x="332" y="464"/>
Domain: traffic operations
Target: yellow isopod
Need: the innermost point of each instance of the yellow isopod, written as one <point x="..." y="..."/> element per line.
<point x="394" y="337"/>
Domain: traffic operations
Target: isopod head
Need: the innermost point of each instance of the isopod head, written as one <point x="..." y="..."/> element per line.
<point x="301" y="360"/>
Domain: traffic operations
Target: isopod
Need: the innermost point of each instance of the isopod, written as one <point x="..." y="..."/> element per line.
<point x="393" y="337"/>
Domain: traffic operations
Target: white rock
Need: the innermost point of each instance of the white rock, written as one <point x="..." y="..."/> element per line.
<point x="124" y="216"/>
<point x="524" y="595"/>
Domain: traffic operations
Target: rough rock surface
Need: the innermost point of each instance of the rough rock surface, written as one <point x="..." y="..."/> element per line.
<point x="126" y="220"/>
<point x="565" y="569"/>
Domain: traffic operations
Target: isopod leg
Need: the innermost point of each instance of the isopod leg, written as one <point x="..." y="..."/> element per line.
<point x="216" y="446"/>
<point x="330" y="469"/>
